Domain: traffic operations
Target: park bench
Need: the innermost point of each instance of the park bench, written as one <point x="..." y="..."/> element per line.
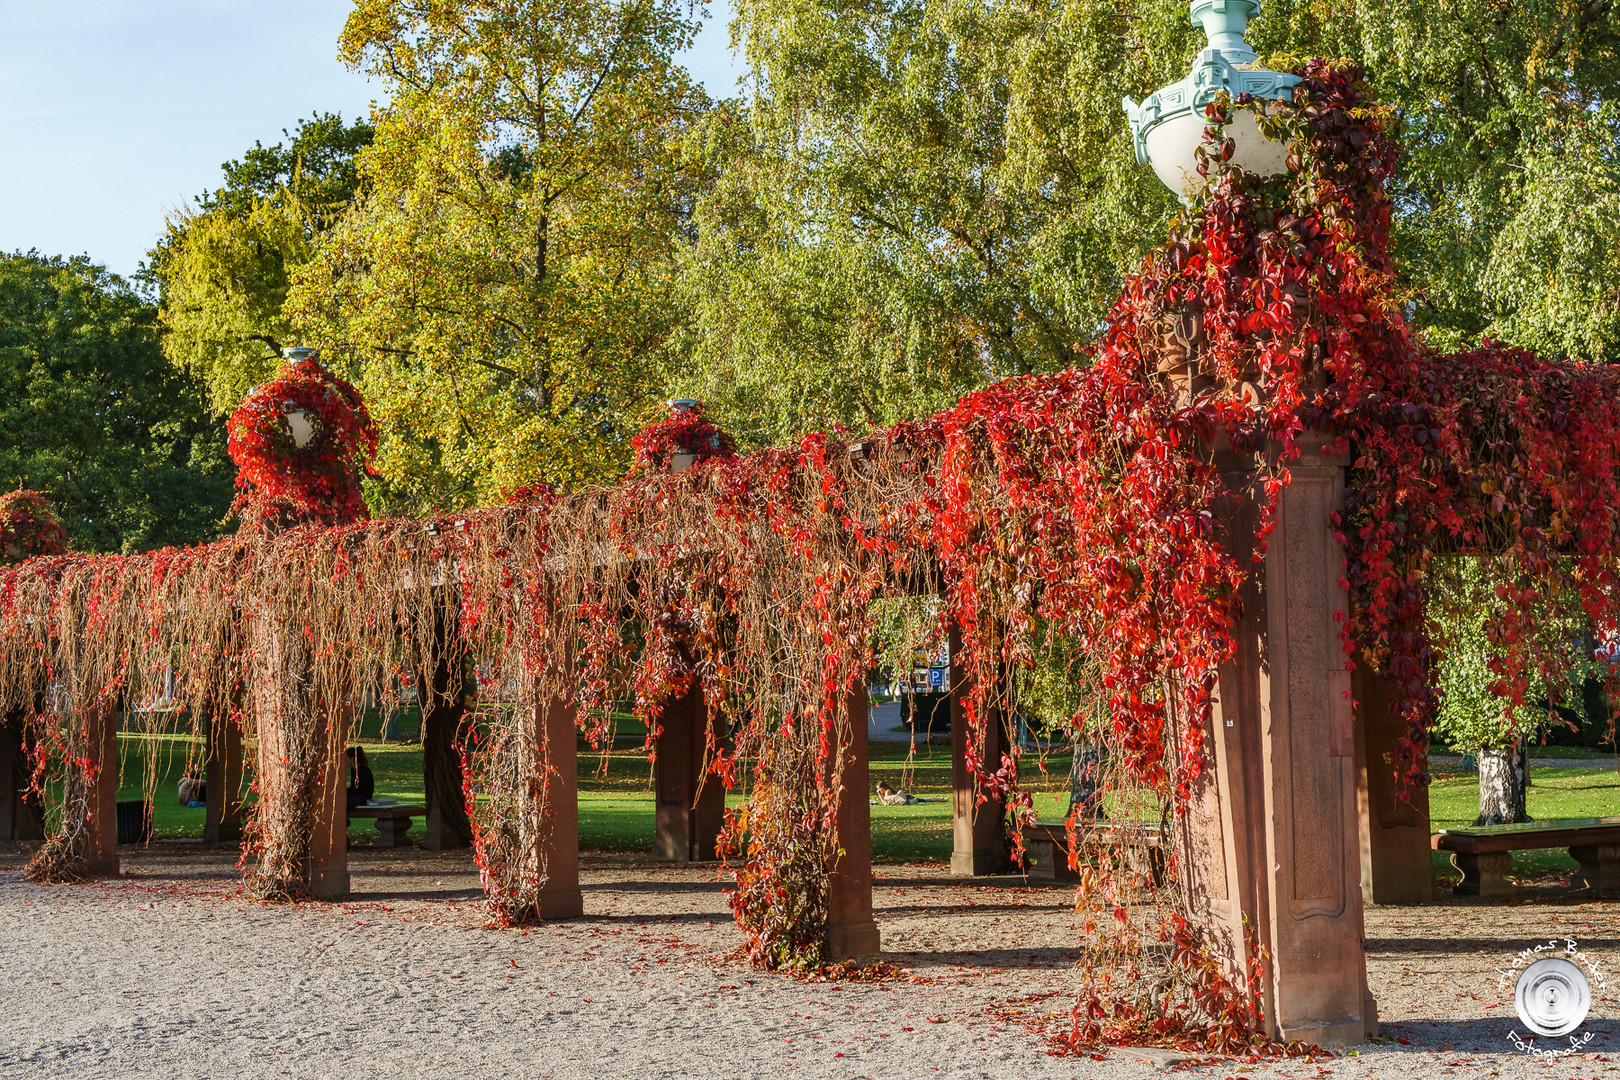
<point x="393" y="821"/>
<point x="1048" y="845"/>
<point x="1484" y="853"/>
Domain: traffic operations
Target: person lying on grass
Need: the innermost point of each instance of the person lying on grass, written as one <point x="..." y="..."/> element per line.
<point x="889" y="796"/>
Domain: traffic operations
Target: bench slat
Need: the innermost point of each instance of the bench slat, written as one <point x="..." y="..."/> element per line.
<point x="1529" y="835"/>
<point x="380" y="812"/>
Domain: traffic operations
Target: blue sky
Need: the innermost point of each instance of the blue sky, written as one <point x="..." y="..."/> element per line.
<point x="113" y="112"/>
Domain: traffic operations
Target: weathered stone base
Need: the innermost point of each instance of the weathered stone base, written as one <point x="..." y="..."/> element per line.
<point x="1484" y="874"/>
<point x="1600" y="868"/>
<point x="853" y="939"/>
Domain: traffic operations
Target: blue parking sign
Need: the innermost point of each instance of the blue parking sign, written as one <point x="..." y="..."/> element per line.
<point x="936" y="678"/>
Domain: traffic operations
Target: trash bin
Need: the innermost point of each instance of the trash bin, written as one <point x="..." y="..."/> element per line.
<point x="135" y="822"/>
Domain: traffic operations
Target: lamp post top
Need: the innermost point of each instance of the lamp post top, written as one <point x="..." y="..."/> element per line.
<point x="1224" y="22"/>
<point x="1168" y="125"/>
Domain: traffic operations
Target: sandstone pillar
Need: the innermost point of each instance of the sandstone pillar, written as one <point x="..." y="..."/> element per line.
<point x="690" y="810"/>
<point x="101" y="828"/>
<point x="1396" y="862"/>
<point x="326" y="873"/>
<point x="1271" y="839"/>
<point x="222" y="820"/>
<point x="851" y="929"/>
<point x="558" y="732"/>
<point x="979" y="841"/>
<point x="20" y="816"/>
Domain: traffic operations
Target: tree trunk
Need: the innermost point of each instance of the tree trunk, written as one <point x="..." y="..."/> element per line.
<point x="443" y="701"/>
<point x="1503" y="778"/>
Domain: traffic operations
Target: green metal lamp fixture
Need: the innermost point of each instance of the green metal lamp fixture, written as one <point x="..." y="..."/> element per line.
<point x="1169" y="126"/>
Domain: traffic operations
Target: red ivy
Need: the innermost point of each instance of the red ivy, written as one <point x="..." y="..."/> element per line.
<point x="685" y="430"/>
<point x="29" y="527"/>
<point x="319" y="483"/>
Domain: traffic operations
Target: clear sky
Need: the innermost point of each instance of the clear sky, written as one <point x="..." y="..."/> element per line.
<point x="113" y="112"/>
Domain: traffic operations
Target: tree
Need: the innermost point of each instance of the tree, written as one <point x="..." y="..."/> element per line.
<point x="505" y="291"/>
<point x="91" y="413"/>
<point x="1506" y="191"/>
<point x="927" y="197"/>
<point x="1474" y="716"/>
<point x="225" y="263"/>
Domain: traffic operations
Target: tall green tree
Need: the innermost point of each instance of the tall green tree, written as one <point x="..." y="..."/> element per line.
<point x="224" y="265"/>
<point x="92" y="414"/>
<point x="1506" y="194"/>
<point x="506" y="291"/>
<point x="924" y="197"/>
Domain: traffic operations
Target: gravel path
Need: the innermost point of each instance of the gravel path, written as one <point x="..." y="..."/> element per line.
<point x="169" y="971"/>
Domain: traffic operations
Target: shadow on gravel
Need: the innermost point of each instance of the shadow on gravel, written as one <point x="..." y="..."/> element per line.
<point x="1506" y="947"/>
<point x="651" y="886"/>
<point x="984" y="958"/>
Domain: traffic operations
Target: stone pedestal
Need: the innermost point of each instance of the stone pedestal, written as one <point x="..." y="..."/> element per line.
<point x="979" y="840"/>
<point x="101" y="844"/>
<point x="557" y="731"/>
<point x="851" y="929"/>
<point x="690" y="809"/>
<point x="1599" y="869"/>
<point x="1484" y="874"/>
<point x="1397" y="864"/>
<point x="222" y="820"/>
<point x="1272" y="838"/>
<point x="20" y="812"/>
<point x="326" y="873"/>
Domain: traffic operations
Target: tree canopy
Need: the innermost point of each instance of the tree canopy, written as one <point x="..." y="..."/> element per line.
<point x="224" y="265"/>
<point x="505" y="291"/>
<point x="92" y="414"/>
<point x="926" y="197"/>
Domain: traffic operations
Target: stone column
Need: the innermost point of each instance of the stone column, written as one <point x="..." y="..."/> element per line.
<point x="691" y="809"/>
<point x="851" y="929"/>
<point x="326" y="873"/>
<point x="558" y="732"/>
<point x="101" y="843"/>
<point x="1272" y="838"/>
<point x="222" y="820"/>
<point x="20" y="817"/>
<point x="1397" y="865"/>
<point x="979" y="842"/>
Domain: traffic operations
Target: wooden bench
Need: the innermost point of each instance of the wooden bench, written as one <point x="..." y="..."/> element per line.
<point x="1048" y="845"/>
<point x="1484" y="853"/>
<point x="393" y="821"/>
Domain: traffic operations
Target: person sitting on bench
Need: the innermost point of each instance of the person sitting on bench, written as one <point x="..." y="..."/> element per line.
<point x="193" y="789"/>
<point x="361" y="784"/>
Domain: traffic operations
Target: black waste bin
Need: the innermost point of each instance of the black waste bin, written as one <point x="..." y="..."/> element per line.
<point x="135" y="822"/>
